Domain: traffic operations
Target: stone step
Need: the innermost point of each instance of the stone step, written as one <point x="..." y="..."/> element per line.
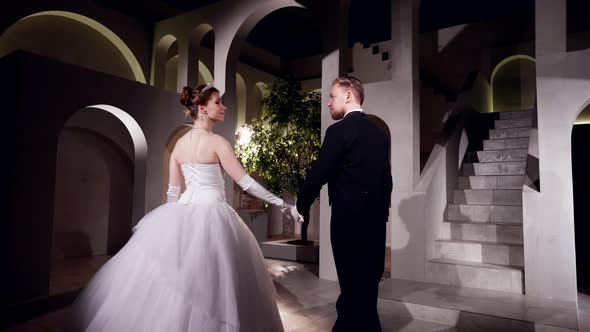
<point x="487" y="196"/>
<point x="490" y="182"/>
<point x="502" y="155"/>
<point x="484" y="213"/>
<point x="480" y="252"/>
<point x="497" y="168"/>
<point x="472" y="309"/>
<point x="509" y="133"/>
<point x="476" y="275"/>
<point x="514" y="123"/>
<point x="516" y="114"/>
<point x="506" y="143"/>
<point x="488" y="232"/>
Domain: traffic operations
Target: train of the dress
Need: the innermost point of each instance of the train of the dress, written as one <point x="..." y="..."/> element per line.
<point x="187" y="267"/>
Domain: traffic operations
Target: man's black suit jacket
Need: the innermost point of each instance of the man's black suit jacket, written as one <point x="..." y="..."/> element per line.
<point x="354" y="161"/>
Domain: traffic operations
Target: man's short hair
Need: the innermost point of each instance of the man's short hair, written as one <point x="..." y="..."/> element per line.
<point x="354" y="84"/>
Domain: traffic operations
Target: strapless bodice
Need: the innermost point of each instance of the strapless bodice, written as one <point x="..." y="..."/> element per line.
<point x="204" y="183"/>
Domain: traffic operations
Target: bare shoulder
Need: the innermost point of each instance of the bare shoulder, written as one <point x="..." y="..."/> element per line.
<point x="220" y="141"/>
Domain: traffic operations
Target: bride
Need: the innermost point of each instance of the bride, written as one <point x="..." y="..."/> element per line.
<point x="191" y="264"/>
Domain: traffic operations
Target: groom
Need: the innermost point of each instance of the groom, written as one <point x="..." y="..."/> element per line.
<point x="354" y="161"/>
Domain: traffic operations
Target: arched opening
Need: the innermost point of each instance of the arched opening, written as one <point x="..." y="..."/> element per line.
<point x="241" y="100"/>
<point x="170" y="143"/>
<point x="283" y="39"/>
<point x="581" y="183"/>
<point x="50" y="33"/>
<point x="201" y="55"/>
<point x="255" y="103"/>
<point x="514" y="83"/>
<point x="205" y="75"/>
<point x="165" y="69"/>
<point x="171" y="68"/>
<point x="99" y="192"/>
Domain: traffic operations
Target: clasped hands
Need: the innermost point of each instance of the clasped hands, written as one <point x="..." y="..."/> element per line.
<point x="290" y="211"/>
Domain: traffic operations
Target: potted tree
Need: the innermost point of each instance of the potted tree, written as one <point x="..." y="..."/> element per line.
<point x="281" y="145"/>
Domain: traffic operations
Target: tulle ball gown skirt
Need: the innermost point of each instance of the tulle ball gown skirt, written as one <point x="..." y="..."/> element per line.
<point x="187" y="267"/>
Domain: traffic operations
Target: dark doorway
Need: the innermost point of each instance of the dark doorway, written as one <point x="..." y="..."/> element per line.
<point x="581" y="182"/>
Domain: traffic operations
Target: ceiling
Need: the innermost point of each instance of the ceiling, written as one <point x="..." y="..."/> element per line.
<point x="292" y="33"/>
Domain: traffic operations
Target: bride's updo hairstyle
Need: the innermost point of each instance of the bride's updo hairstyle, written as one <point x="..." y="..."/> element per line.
<point x="193" y="97"/>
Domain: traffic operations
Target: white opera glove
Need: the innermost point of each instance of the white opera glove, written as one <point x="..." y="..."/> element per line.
<point x="257" y="190"/>
<point x="172" y="194"/>
<point x="291" y="212"/>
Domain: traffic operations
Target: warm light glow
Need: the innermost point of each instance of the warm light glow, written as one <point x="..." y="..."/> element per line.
<point x="106" y="32"/>
<point x="584" y="116"/>
<point x="244" y="135"/>
<point x="508" y="59"/>
<point x="499" y="65"/>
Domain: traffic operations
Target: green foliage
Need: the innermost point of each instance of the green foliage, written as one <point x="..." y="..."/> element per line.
<point x="285" y="140"/>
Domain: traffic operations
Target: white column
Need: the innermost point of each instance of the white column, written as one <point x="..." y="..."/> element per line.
<point x="183" y="60"/>
<point x="334" y="42"/>
<point x="549" y="243"/>
<point x="225" y="81"/>
<point x="408" y="255"/>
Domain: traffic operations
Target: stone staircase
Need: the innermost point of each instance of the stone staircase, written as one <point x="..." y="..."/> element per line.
<point x="481" y="240"/>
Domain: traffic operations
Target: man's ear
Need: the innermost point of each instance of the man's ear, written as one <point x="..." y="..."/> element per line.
<point x="348" y="96"/>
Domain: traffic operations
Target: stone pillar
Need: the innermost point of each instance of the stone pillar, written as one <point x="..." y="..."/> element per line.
<point x="550" y="27"/>
<point x="407" y="229"/>
<point x="548" y="216"/>
<point x="225" y="67"/>
<point x="183" y="63"/>
<point x="193" y="62"/>
<point x="334" y="42"/>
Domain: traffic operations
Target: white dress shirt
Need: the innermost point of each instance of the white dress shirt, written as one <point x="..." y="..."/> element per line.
<point x="352" y="110"/>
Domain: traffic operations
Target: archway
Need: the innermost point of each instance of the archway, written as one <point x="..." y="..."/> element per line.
<point x="227" y="83"/>
<point x="581" y="183"/>
<point x="201" y="55"/>
<point x="205" y="75"/>
<point x="241" y="100"/>
<point x="282" y="56"/>
<point x="163" y="53"/>
<point x="99" y="192"/>
<point x="513" y="83"/>
<point x="255" y="102"/>
<point x="98" y="48"/>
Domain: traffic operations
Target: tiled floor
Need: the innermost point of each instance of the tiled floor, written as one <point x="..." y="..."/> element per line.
<point x="307" y="304"/>
<point x="71" y="274"/>
<point x="584" y="312"/>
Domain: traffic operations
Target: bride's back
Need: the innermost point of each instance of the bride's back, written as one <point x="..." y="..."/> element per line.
<point x="197" y="146"/>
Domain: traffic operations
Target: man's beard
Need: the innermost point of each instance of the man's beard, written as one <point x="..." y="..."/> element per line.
<point x="336" y="115"/>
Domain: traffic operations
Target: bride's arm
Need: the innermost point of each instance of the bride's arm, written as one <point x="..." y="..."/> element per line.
<point x="175" y="179"/>
<point x="234" y="168"/>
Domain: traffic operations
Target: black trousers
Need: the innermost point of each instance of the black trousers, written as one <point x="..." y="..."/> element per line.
<point x="358" y="245"/>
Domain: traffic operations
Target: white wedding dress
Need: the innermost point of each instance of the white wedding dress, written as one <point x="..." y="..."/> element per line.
<point x="192" y="265"/>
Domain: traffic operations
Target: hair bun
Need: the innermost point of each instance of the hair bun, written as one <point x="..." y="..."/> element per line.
<point x="187" y="96"/>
